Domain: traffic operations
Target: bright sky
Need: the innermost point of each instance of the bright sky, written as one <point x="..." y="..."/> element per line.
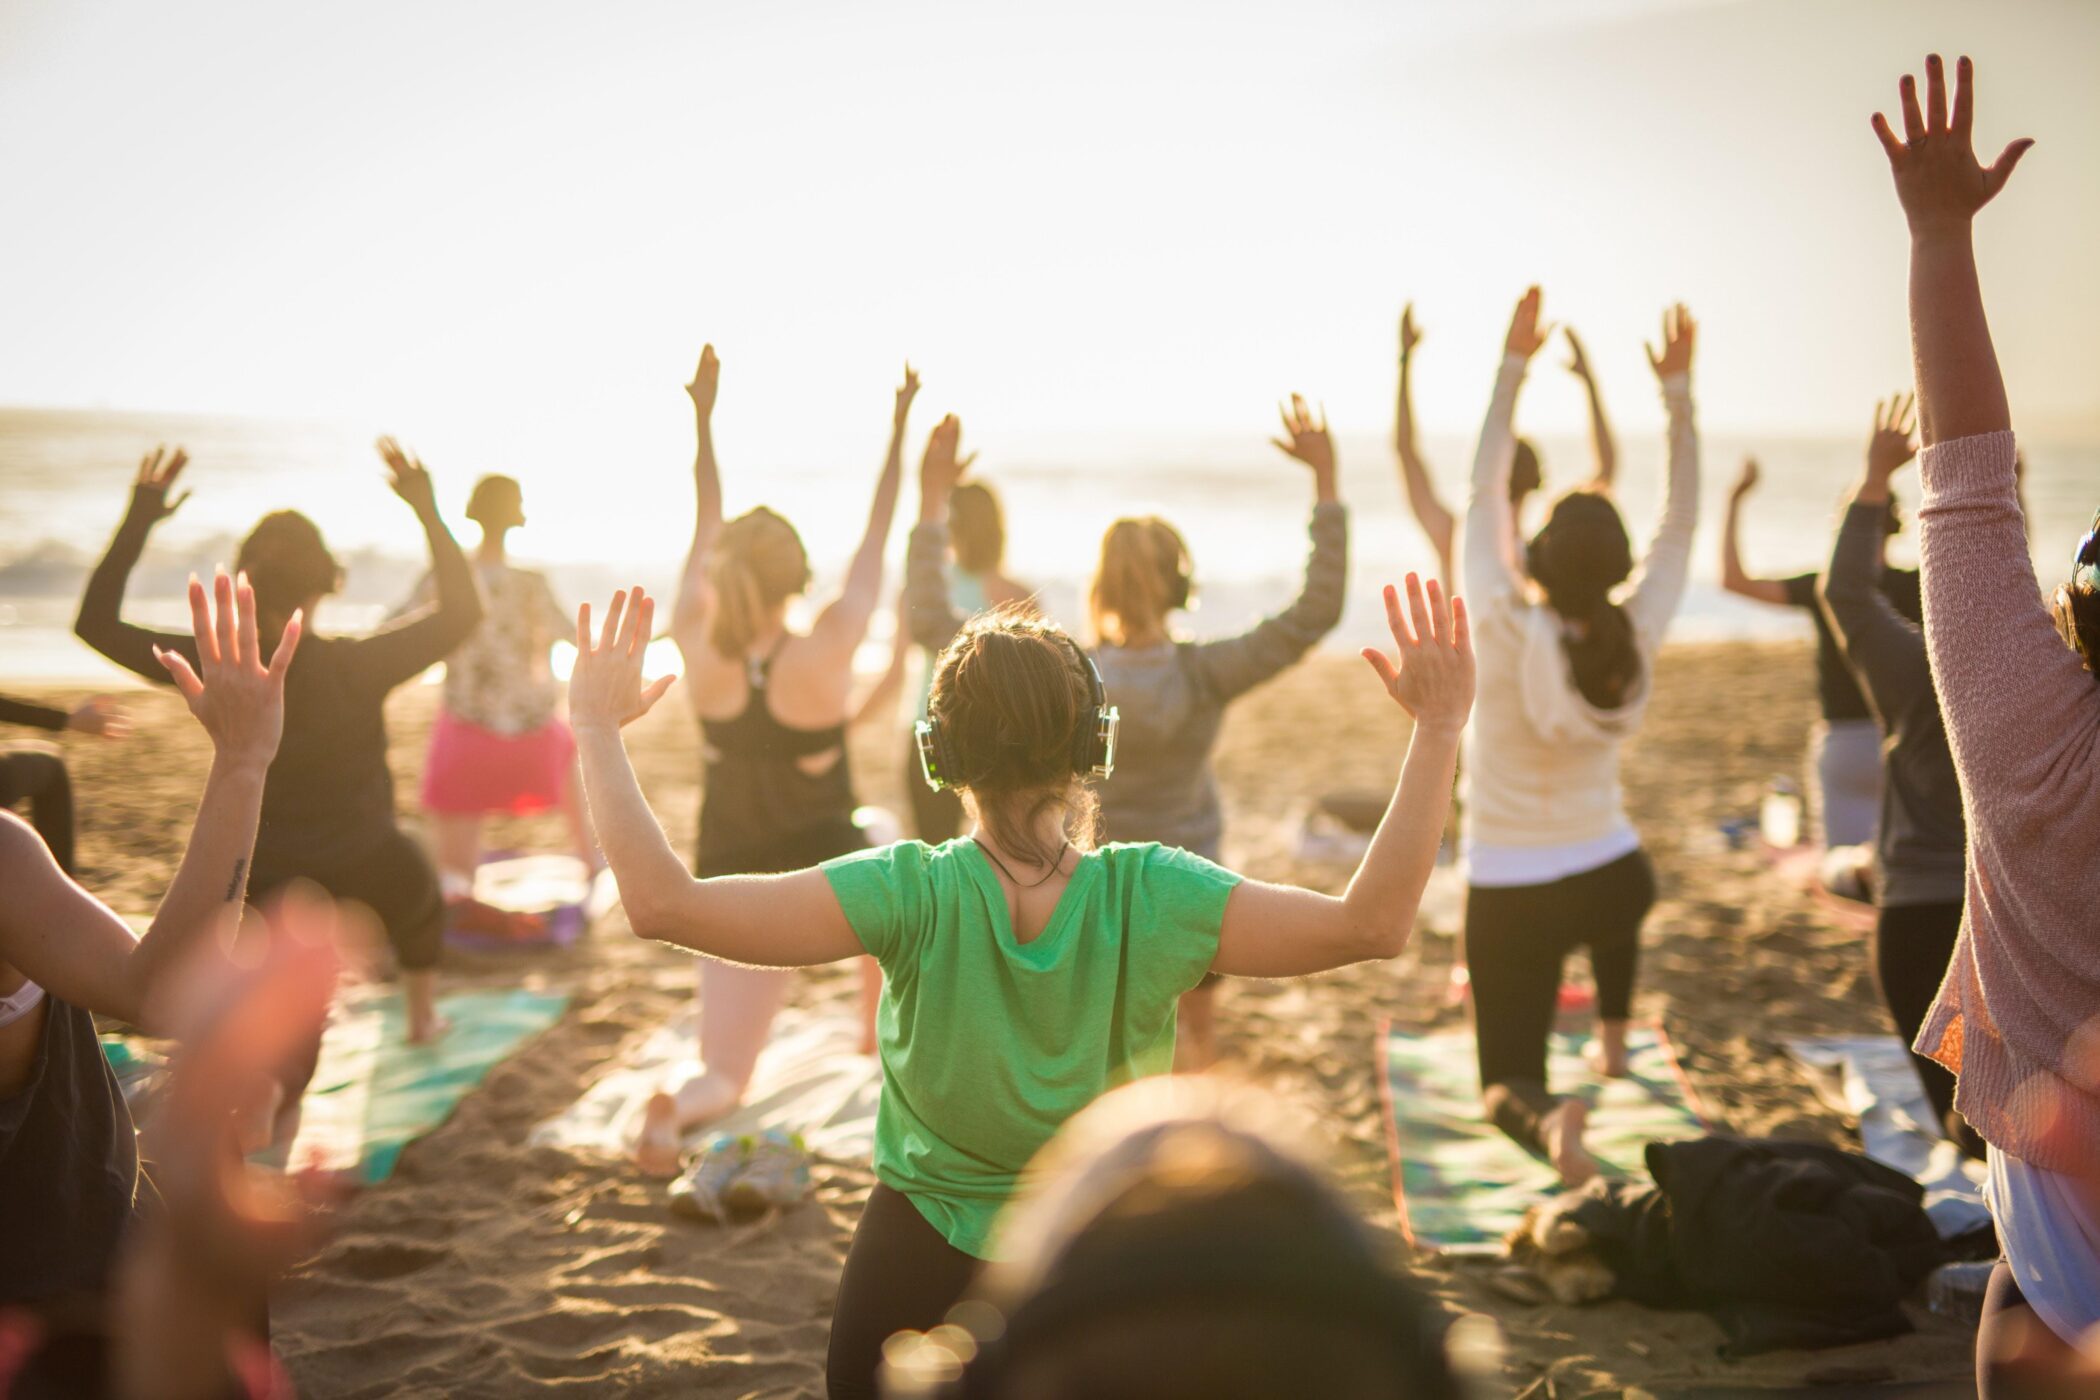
<point x="519" y="220"/>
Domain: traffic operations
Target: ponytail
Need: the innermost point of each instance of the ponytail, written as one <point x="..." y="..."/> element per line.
<point x="1144" y="574"/>
<point x="1580" y="556"/>
<point x="757" y="563"/>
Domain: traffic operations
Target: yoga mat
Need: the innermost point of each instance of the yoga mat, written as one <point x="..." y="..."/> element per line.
<point x="811" y="1079"/>
<point x="1879" y="1085"/>
<point x="557" y="889"/>
<point x="1460" y="1184"/>
<point x="373" y="1093"/>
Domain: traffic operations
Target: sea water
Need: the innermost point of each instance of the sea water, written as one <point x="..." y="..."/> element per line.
<point x="600" y="524"/>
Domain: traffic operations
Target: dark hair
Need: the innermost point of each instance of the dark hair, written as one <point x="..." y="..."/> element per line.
<point x="1178" y="1248"/>
<point x="1580" y="556"/>
<point x="1524" y="474"/>
<point x="497" y="502"/>
<point x="976" y="528"/>
<point x="287" y="562"/>
<point x="1011" y="694"/>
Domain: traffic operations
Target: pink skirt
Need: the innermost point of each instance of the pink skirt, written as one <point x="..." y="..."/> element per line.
<point x="472" y="770"/>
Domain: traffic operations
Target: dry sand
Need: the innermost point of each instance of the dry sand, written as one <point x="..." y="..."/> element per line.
<point x="488" y="1268"/>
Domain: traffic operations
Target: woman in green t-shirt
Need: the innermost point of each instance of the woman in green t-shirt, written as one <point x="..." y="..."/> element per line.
<point x="1025" y="972"/>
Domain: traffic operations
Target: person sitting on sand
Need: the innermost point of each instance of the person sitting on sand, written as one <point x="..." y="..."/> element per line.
<point x="772" y="704"/>
<point x="328" y="813"/>
<point x="499" y="744"/>
<point x="1552" y="861"/>
<point x="1177" y="1246"/>
<point x="2018" y="1017"/>
<point x="1845" y="775"/>
<point x="38" y="776"/>
<point x="1428" y="508"/>
<point x="1176" y="690"/>
<point x="1922" y="838"/>
<point x="1025" y="970"/>
<point x="977" y="582"/>
<point x="69" y="1164"/>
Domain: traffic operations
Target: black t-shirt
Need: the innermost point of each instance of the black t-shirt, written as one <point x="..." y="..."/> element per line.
<point x="69" y="1167"/>
<point x="1834" y="683"/>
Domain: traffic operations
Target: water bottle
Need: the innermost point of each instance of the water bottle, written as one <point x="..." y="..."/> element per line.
<point x="1956" y="1290"/>
<point x="1779" y="819"/>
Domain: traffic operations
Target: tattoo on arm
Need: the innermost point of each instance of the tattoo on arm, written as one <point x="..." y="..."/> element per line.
<point x="233" y="886"/>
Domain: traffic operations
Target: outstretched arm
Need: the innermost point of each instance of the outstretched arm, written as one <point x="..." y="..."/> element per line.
<point x="689" y="609"/>
<point x="399" y="653"/>
<point x="880" y="701"/>
<point x="1942" y="185"/>
<point x="791" y="920"/>
<point x="845" y="619"/>
<point x="1487" y="563"/>
<point x="1283" y="931"/>
<point x="1734" y="577"/>
<point x="1430" y="513"/>
<point x="68" y="941"/>
<point x="1659" y="585"/>
<point x="100" y="622"/>
<point x="1885" y="649"/>
<point x="1231" y="666"/>
<point x="1603" y="449"/>
<point x="929" y="610"/>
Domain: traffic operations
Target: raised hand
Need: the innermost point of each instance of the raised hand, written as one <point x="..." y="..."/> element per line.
<point x="942" y="466"/>
<point x="906" y="392"/>
<point x="1891" y="445"/>
<point x="1680" y="334"/>
<point x="99" y="715"/>
<point x="238" y="699"/>
<point x="1939" y="181"/>
<point x="606" y="689"/>
<point x="1410" y="333"/>
<point x="1306" y="437"/>
<point x="157" y="472"/>
<point x="1746" y="482"/>
<point x="1526" y="332"/>
<point x="1432" y="676"/>
<point x="408" y="476"/>
<point x="707" y="377"/>
<point x="1578" y="362"/>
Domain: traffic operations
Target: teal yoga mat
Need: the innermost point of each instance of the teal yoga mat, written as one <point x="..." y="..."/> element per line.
<point x="1460" y="1184"/>
<point x="373" y="1093"/>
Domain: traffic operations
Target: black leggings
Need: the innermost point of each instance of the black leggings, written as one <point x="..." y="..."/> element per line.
<point x="1517" y="938"/>
<point x="395" y="880"/>
<point x="1913" y="944"/>
<point x="935" y="816"/>
<point x="900" y="1276"/>
<point x="39" y="778"/>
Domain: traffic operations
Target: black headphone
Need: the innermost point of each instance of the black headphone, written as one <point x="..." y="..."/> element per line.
<point x="1093" y="743"/>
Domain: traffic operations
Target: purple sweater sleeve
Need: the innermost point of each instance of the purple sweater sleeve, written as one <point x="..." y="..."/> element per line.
<point x="1999" y="663"/>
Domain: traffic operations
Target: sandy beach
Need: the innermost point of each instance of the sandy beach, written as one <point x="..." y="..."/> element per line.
<point x="485" y="1267"/>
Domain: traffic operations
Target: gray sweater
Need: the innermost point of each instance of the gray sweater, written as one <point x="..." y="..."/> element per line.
<point x="1173" y="695"/>
<point x="1922" y="837"/>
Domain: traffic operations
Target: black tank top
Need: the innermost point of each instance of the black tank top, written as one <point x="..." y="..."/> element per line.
<point x="761" y="812"/>
<point x="69" y="1167"/>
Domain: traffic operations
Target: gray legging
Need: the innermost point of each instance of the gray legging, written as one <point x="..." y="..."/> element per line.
<point x="40" y="779"/>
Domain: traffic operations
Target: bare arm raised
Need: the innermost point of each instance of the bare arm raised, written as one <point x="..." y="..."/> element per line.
<point x="1430" y="512"/>
<point x="1284" y="931"/>
<point x="844" y="620"/>
<point x="689" y="609"/>
<point x="1604" y="450"/>
<point x="1734" y="577"/>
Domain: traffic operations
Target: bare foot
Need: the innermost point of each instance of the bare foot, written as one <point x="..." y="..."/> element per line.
<point x="1609" y="1061"/>
<point x="656" y="1145"/>
<point x="423" y="1030"/>
<point x="1562" y="1130"/>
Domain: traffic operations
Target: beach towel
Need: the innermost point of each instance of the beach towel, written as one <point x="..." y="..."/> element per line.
<point x="810" y="1079"/>
<point x="556" y="892"/>
<point x="373" y="1093"/>
<point x="1460" y="1184"/>
<point x="1878" y="1084"/>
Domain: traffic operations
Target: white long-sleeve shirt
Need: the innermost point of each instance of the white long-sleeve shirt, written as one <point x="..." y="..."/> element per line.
<point x="1542" y="799"/>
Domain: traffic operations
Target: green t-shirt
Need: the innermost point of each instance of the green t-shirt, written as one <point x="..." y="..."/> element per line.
<point x="989" y="1045"/>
